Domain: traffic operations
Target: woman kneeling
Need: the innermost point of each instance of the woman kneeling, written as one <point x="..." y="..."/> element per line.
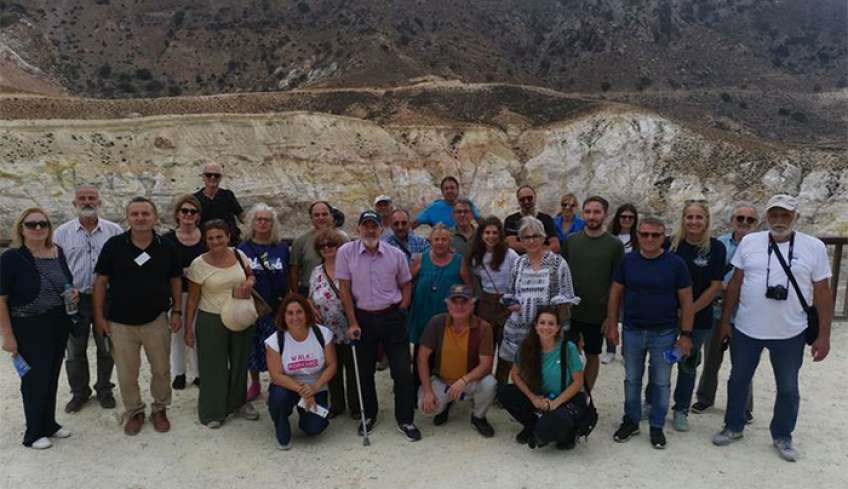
<point x="544" y="397"/>
<point x="299" y="374"/>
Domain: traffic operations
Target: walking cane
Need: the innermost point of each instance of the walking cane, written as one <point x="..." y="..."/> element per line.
<point x="365" y="441"/>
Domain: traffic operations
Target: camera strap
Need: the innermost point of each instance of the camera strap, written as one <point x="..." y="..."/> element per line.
<point x="788" y="270"/>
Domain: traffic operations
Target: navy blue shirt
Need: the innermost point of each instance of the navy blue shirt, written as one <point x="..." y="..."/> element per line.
<point x="703" y="269"/>
<point x="270" y="265"/>
<point x="650" y="289"/>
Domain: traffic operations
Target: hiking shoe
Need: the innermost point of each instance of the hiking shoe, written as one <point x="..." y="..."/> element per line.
<point x="726" y="437"/>
<point x="107" y="401"/>
<point x="410" y="431"/>
<point x="699" y="407"/>
<point x="523" y="436"/>
<point x="41" y="443"/>
<point x="680" y="422"/>
<point x="749" y="417"/>
<point x="179" y="382"/>
<point x="786" y="451"/>
<point x="247" y="411"/>
<point x="566" y="445"/>
<point x="646" y="411"/>
<point x="196" y="381"/>
<point x="657" y="438"/>
<point x="369" y="425"/>
<point x="287" y="446"/>
<point x="442" y="417"/>
<point x="61" y="433"/>
<point x="160" y="421"/>
<point x="214" y="424"/>
<point x="134" y="424"/>
<point x="534" y="442"/>
<point x="482" y="426"/>
<point x="625" y="431"/>
<point x="607" y="358"/>
<point x="75" y="404"/>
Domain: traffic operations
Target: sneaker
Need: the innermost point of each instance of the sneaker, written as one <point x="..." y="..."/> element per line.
<point x="523" y="436"/>
<point x="247" y="411"/>
<point x="253" y="391"/>
<point x="534" y="442"/>
<point x="646" y="412"/>
<point x="607" y="358"/>
<point x="482" y="426"/>
<point x="196" y="381"/>
<point x="786" y="450"/>
<point x="409" y="431"/>
<point x="566" y="445"/>
<point x="61" y="433"/>
<point x="749" y="417"/>
<point x="107" y="401"/>
<point x="369" y="425"/>
<point x="442" y="417"/>
<point x="75" y="404"/>
<point x="657" y="438"/>
<point x="287" y="446"/>
<point x="726" y="437"/>
<point x="214" y="425"/>
<point x="680" y="422"/>
<point x="134" y="424"/>
<point x="41" y="443"/>
<point x="699" y="407"/>
<point x="179" y="382"/>
<point x="625" y="431"/>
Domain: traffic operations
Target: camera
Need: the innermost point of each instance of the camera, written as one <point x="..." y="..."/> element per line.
<point x="777" y="292"/>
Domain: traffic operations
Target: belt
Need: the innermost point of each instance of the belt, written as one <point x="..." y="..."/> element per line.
<point x="380" y="312"/>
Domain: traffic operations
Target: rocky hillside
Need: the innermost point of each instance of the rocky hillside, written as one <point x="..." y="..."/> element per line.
<point x="349" y="146"/>
<point x="768" y="68"/>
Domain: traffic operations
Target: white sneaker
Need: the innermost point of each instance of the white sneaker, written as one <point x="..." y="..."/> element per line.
<point x="61" y="433"/>
<point x="248" y="412"/>
<point x="41" y="443"/>
<point x="607" y="358"/>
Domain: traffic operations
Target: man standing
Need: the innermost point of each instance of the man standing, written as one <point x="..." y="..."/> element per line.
<point x="82" y="239"/>
<point x="143" y="274"/>
<point x="376" y="287"/>
<point x="219" y="203"/>
<point x="527" y="202"/>
<point x="463" y="233"/>
<point x="402" y="238"/>
<point x="592" y="255"/>
<point x="441" y="210"/>
<point x="743" y="221"/>
<point x="462" y="349"/>
<point x="771" y="315"/>
<point x="303" y="256"/>
<point x="383" y="206"/>
<point x="658" y="318"/>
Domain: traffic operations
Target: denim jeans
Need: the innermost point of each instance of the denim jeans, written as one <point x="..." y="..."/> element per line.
<point x="786" y="357"/>
<point x="637" y="344"/>
<point x="282" y="401"/>
<point x="686" y="377"/>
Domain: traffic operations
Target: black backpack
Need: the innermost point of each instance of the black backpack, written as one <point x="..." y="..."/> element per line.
<point x="281" y="338"/>
<point x="587" y="418"/>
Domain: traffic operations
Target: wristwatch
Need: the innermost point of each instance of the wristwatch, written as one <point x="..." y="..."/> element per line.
<point x="687" y="334"/>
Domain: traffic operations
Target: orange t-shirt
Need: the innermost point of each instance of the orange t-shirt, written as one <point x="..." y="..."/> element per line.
<point x="454" y="354"/>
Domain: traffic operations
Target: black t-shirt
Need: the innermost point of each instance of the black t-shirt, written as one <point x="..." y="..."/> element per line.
<point x="513" y="223"/>
<point x="703" y="269"/>
<point x="224" y="206"/>
<point x="139" y="280"/>
<point x="187" y="253"/>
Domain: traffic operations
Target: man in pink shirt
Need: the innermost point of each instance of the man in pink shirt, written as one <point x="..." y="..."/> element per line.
<point x="375" y="287"/>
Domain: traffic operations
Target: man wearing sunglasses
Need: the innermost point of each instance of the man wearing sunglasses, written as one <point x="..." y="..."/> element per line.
<point x="743" y="220"/>
<point x="403" y="238"/>
<point x="219" y="203"/>
<point x="526" y="196"/>
<point x="81" y="239"/>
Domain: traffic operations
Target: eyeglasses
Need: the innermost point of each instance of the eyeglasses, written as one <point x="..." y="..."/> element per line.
<point x="567" y="204"/>
<point x="461" y="211"/>
<point x="326" y="244"/>
<point x="37" y="224"/>
<point x="627" y="216"/>
<point x="211" y="175"/>
<point x="262" y="219"/>
<point x="745" y="219"/>
<point x="531" y="237"/>
<point x="643" y="234"/>
<point x="528" y="198"/>
<point x="399" y="223"/>
<point x="186" y="210"/>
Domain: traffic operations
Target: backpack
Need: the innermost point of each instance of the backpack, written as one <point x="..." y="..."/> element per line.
<point x="585" y="419"/>
<point x="281" y="338"/>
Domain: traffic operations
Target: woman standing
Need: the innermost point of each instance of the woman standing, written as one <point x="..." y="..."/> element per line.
<point x="300" y="371"/>
<point x="33" y="320"/>
<point x="269" y="260"/>
<point x="705" y="258"/>
<point x="189" y="242"/>
<point x="546" y="405"/>
<point x="625" y="222"/>
<point x="324" y="297"/>
<point x="490" y="262"/>
<point x="567" y="221"/>
<point x="222" y="354"/>
<point x="539" y="278"/>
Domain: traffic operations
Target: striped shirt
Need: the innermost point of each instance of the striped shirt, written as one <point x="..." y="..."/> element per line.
<point x="82" y="248"/>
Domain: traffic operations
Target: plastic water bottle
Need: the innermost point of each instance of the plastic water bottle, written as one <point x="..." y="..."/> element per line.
<point x="674" y="355"/>
<point x="71" y="307"/>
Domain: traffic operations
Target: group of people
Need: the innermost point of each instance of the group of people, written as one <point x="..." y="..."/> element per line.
<point x="511" y="312"/>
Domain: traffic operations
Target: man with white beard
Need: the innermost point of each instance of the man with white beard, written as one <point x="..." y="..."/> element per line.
<point x="82" y="239"/>
<point x="772" y="316"/>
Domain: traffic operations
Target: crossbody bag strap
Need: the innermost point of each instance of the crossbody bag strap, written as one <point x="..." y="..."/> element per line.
<point x="330" y="281"/>
<point x="483" y="265"/>
<point x="791" y="277"/>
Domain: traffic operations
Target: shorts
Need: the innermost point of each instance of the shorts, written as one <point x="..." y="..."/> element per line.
<point x="591" y="333"/>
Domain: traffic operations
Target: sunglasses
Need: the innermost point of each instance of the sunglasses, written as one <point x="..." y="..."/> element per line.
<point x="400" y="223"/>
<point x="531" y="237"/>
<point x="643" y="234"/>
<point x="262" y="219"/>
<point x="189" y="211"/>
<point x="37" y="224"/>
<point x="745" y="219"/>
<point x="627" y="216"/>
<point x="567" y="204"/>
<point x="326" y="244"/>
<point x="526" y="199"/>
<point x="461" y="211"/>
<point x="212" y="175"/>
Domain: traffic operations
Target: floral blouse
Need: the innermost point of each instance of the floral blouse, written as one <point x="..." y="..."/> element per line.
<point x="328" y="303"/>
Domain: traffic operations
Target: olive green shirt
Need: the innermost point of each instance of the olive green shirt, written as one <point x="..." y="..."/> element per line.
<point x="592" y="262"/>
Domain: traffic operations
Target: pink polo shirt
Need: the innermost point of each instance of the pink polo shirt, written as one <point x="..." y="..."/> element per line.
<point x="375" y="278"/>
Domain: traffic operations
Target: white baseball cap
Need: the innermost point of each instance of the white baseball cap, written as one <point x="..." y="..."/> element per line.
<point x="784" y="202"/>
<point x="382" y="198"/>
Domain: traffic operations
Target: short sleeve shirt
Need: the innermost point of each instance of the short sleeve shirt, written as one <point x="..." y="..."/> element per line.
<point x="513" y="223"/>
<point x="224" y="206"/>
<point x="440" y="212"/>
<point x="303" y="255"/>
<point x="552" y="368"/>
<point x="704" y="268"/>
<point x="302" y="360"/>
<point x="592" y="261"/>
<point x="650" y="289"/>
<point x="216" y="283"/>
<point x="375" y="278"/>
<point x="457" y="354"/>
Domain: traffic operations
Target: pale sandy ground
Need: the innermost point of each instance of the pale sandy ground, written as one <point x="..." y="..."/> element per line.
<point x="243" y="453"/>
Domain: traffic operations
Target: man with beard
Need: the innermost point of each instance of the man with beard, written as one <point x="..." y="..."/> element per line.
<point x="772" y="316"/>
<point x="219" y="203"/>
<point x="82" y="239"/>
<point x="375" y="287"/>
<point x="527" y="202"/>
<point x="592" y="255"/>
<point x="441" y="211"/>
<point x="402" y="238"/>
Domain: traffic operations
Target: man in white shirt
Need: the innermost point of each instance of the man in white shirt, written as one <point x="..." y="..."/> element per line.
<point x="82" y="239"/>
<point x="771" y="316"/>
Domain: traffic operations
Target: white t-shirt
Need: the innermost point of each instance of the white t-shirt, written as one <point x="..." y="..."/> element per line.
<point x="496" y="281"/>
<point x="302" y="360"/>
<point x="769" y="319"/>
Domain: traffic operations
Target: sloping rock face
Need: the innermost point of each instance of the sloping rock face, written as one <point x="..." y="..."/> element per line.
<point x="290" y="159"/>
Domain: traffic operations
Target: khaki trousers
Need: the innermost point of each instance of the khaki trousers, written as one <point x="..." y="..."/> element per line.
<point x="127" y="341"/>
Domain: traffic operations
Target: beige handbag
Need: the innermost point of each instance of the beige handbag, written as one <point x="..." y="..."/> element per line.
<point x="240" y="314"/>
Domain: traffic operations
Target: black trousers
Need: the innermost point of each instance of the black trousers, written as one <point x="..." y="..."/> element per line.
<point x="76" y="363"/>
<point x="554" y="426"/>
<point x="389" y="330"/>
<point x="41" y="342"/>
<point x="343" y="383"/>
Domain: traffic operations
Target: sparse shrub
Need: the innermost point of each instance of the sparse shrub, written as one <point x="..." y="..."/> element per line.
<point x="725" y="97"/>
<point x="605" y="86"/>
<point x="783" y="111"/>
<point x="799" y="117"/>
<point x="104" y="71"/>
<point x="143" y="74"/>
